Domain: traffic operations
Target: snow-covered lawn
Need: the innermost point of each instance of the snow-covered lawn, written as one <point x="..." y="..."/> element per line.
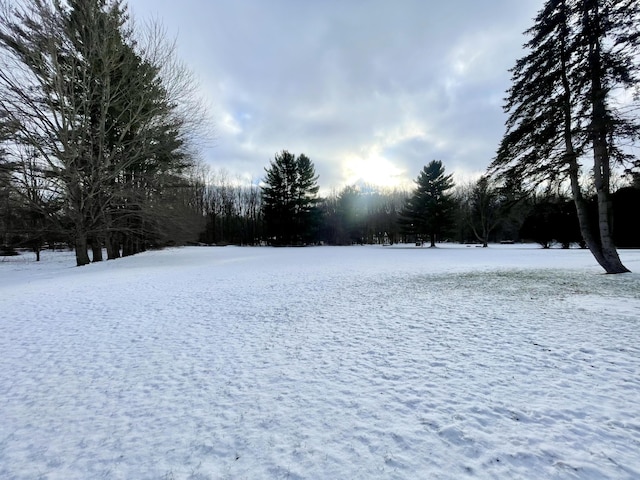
<point x="338" y="363"/>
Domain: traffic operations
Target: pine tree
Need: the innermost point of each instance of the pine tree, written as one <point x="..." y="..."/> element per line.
<point x="290" y="200"/>
<point x="307" y="212"/>
<point x="430" y="209"/>
<point x="99" y="111"/>
<point x="561" y="110"/>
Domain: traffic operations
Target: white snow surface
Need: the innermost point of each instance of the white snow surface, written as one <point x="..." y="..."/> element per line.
<point x="320" y="363"/>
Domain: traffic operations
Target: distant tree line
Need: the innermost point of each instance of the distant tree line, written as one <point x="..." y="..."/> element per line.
<point x="232" y="210"/>
<point x="274" y="211"/>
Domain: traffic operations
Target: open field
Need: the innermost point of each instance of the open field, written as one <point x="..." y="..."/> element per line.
<point x="326" y="362"/>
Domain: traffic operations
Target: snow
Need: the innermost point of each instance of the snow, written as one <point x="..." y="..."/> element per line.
<point x="326" y="362"/>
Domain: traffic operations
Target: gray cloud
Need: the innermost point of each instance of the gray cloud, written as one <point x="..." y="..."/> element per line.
<point x="364" y="88"/>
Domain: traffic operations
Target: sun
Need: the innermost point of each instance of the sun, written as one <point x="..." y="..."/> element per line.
<point x="373" y="170"/>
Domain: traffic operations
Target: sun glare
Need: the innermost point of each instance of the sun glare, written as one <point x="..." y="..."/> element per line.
<point x="374" y="170"/>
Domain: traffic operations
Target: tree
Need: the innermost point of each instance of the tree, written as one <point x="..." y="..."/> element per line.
<point x="518" y="203"/>
<point x="627" y="205"/>
<point x="101" y="113"/>
<point x="483" y="208"/>
<point x="552" y="219"/>
<point x="290" y="199"/>
<point x="352" y="211"/>
<point x="430" y="209"/>
<point x="561" y="108"/>
<point x="232" y="210"/>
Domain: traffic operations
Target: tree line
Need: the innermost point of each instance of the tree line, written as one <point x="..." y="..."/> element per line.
<point x="284" y="208"/>
<point x="97" y="150"/>
<point x="481" y="211"/>
<point x="212" y="208"/>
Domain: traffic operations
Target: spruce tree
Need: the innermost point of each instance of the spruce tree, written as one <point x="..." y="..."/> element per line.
<point x="430" y="209"/>
<point x="290" y="200"/>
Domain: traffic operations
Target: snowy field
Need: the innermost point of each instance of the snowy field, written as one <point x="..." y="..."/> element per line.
<point x="321" y="363"/>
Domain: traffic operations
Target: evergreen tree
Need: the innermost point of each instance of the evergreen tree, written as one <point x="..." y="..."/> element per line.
<point x="290" y="198"/>
<point x="430" y="209"/>
<point x="627" y="205"/>
<point x="352" y="214"/>
<point x="561" y="110"/>
<point x="99" y="111"/>
<point x="551" y="220"/>
<point x="307" y="213"/>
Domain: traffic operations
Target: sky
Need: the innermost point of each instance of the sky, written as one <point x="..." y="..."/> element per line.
<point x="371" y="90"/>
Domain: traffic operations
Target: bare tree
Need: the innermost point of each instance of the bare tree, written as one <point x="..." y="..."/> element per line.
<point x="482" y="207"/>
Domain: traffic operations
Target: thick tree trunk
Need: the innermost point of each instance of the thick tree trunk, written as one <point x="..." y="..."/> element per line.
<point x="130" y="245"/>
<point x="127" y="246"/>
<point x="96" y="250"/>
<point x="610" y="259"/>
<point x="113" y="247"/>
<point x="600" y="244"/>
<point x="582" y="209"/>
<point x="82" y="255"/>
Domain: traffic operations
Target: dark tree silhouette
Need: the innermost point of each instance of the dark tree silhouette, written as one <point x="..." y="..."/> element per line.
<point x="560" y="108"/>
<point x="290" y="200"/>
<point x="482" y="208"/>
<point x="430" y="210"/>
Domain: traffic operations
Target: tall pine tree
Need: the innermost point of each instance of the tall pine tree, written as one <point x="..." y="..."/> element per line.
<point x="562" y="111"/>
<point x="290" y="199"/>
<point x="430" y="210"/>
<point x="98" y="112"/>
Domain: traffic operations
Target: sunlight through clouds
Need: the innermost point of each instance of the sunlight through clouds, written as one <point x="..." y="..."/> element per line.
<point x="370" y="91"/>
<point x="374" y="170"/>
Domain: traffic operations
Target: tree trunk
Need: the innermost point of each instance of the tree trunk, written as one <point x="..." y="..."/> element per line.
<point x="130" y="245"/>
<point x="113" y="246"/>
<point x="82" y="255"/>
<point x="582" y="209"/>
<point x="600" y="246"/>
<point x="608" y="255"/>
<point x="610" y="260"/>
<point x="96" y="250"/>
<point x="127" y="246"/>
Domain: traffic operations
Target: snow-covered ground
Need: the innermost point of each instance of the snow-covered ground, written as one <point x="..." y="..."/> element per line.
<point x="338" y="363"/>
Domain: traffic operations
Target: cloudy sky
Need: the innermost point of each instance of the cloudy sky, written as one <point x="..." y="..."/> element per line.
<point x="370" y="90"/>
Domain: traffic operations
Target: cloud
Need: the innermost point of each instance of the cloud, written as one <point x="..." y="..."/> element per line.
<point x="363" y="88"/>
